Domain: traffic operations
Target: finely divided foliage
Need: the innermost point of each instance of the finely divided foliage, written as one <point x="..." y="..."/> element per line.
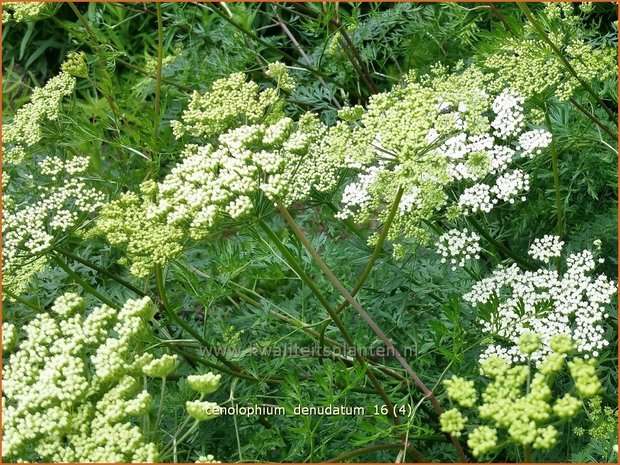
<point x="189" y="188"/>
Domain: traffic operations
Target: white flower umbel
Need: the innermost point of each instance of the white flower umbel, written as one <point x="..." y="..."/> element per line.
<point x="458" y="247"/>
<point x="546" y="247"/>
<point x="546" y="303"/>
<point x="447" y="135"/>
<point x="35" y="214"/>
<point x="508" y="108"/>
<point x="72" y="385"/>
<point x="477" y="198"/>
<point x="532" y="142"/>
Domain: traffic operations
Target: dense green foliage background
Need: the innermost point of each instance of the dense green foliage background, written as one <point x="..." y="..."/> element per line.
<point x="235" y="289"/>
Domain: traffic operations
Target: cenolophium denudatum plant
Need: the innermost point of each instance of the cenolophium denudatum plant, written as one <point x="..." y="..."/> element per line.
<point x="425" y="169"/>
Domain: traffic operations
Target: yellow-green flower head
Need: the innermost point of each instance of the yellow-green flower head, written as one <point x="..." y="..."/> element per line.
<point x="567" y="406"/>
<point x="583" y="372"/>
<point x="68" y="304"/>
<point x="482" y="440"/>
<point x="461" y="390"/>
<point x="494" y="367"/>
<point x="529" y="343"/>
<point x="523" y="431"/>
<point x="75" y="65"/>
<point x="452" y="421"/>
<point x="526" y="64"/>
<point x="201" y="410"/>
<point x="22" y="12"/>
<point x="279" y="72"/>
<point x="561" y="344"/>
<point x="204" y="384"/>
<point x="539" y="387"/>
<point x="26" y="127"/>
<point x="230" y="102"/>
<point x="546" y="438"/>
<point x="552" y="364"/>
<point x="160" y="367"/>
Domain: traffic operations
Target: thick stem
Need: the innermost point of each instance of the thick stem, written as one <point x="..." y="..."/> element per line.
<point x="292" y="38"/>
<point x="377" y="447"/>
<point x="161" y="291"/>
<point x="97" y="46"/>
<point x="369" y="321"/>
<point x="594" y="119"/>
<point x="161" y="403"/>
<point x="373" y="258"/>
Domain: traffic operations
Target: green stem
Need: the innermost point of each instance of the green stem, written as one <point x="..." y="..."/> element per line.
<point x="160" y="55"/>
<point x="101" y="62"/>
<point x="87" y="287"/>
<point x="101" y="270"/>
<point x="296" y="323"/>
<point x="348" y="222"/>
<point x="369" y="321"/>
<point x="161" y="403"/>
<point x="501" y="247"/>
<point x="594" y="119"/>
<point x="556" y="182"/>
<point x="294" y="264"/>
<point x="377" y="447"/>
<point x="348" y="47"/>
<point x="153" y="76"/>
<point x="161" y="291"/>
<point x="266" y="44"/>
<point x="21" y="300"/>
<point x="543" y="35"/>
<point x="373" y="258"/>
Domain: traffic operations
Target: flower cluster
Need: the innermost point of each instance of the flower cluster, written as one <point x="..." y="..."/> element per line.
<point x="546" y="303"/>
<point x="279" y="72"/>
<point x="519" y="402"/>
<point x="35" y="213"/>
<point x="199" y="409"/>
<point x="528" y="65"/>
<point x="231" y="102"/>
<point x="458" y="246"/>
<point x="546" y="247"/>
<point x="21" y="12"/>
<point x="26" y="127"/>
<point x="207" y="459"/>
<point x="430" y="137"/>
<point x="75" y="65"/>
<point x="160" y="367"/>
<point x="219" y="184"/>
<point x="204" y="384"/>
<point x="73" y="383"/>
